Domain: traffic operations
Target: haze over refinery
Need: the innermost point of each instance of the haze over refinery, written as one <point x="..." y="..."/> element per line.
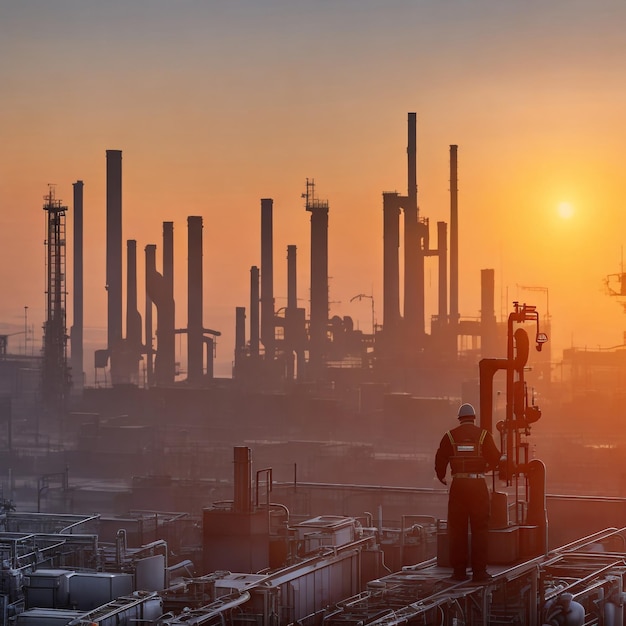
<point x="216" y="105"/>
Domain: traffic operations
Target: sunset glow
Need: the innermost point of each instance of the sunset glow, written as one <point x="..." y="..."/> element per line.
<point x="217" y="105"/>
<point x="566" y="210"/>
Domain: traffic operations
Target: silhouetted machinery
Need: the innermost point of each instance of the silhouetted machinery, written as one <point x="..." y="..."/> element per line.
<point x="524" y="533"/>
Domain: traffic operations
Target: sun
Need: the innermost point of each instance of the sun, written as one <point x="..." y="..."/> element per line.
<point x="566" y="210"/>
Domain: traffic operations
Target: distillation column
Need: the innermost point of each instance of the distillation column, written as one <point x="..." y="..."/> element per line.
<point x="133" y="342"/>
<point x="391" y="270"/>
<point x="267" y="279"/>
<point x="114" y="257"/>
<point x="195" y="326"/>
<point x="414" y="317"/>
<point x="76" y="331"/>
<point x="454" y="237"/>
<point x="160" y="289"/>
<point x="56" y="380"/>
<point x="319" y="279"/>
<point x="254" y="312"/>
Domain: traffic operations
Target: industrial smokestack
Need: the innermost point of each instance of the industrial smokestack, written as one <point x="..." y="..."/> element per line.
<point x="292" y="291"/>
<point x="114" y="252"/>
<point x="168" y="256"/>
<point x="243" y="480"/>
<point x="291" y="313"/>
<point x="267" y="279"/>
<point x="166" y="327"/>
<point x="442" y="253"/>
<point x="414" y="317"/>
<point x="195" y="326"/>
<point x="133" y="317"/>
<point x="454" y="237"/>
<point x="209" y="343"/>
<point x="76" y="332"/>
<point x="240" y="337"/>
<point x="412" y="160"/>
<point x="150" y="262"/>
<point x="319" y="278"/>
<point x="488" y="324"/>
<point x="160" y="289"/>
<point x="391" y="264"/>
<point x="254" y="311"/>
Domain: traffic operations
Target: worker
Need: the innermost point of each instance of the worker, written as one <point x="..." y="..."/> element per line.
<point x="470" y="451"/>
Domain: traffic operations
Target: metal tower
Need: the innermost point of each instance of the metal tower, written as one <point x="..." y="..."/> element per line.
<point x="55" y="373"/>
<point x="318" y="325"/>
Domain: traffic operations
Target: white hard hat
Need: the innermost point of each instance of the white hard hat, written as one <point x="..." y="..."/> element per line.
<point x="466" y="410"/>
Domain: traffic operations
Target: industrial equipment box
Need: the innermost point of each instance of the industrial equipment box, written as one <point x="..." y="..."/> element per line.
<point x="503" y="546"/>
<point x="325" y="530"/>
<point x="47" y="588"/>
<point x="235" y="541"/>
<point x="89" y="590"/>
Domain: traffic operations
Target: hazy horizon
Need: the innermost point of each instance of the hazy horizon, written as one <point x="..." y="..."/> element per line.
<point x="216" y="105"/>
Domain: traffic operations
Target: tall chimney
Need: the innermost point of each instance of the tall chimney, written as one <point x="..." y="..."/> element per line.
<point x="195" y="327"/>
<point x="209" y="343"/>
<point x="292" y="291"/>
<point x="267" y="279"/>
<point x="243" y="480"/>
<point x="166" y="321"/>
<point x="168" y="256"/>
<point x="240" y="338"/>
<point x="160" y="289"/>
<point x="291" y="313"/>
<point x="391" y="264"/>
<point x="488" y="324"/>
<point x="76" y="332"/>
<point x="319" y="279"/>
<point x="454" y="237"/>
<point x="442" y="253"/>
<point x="150" y="263"/>
<point x="114" y="251"/>
<point x="254" y="311"/>
<point x="414" y="317"/>
<point x="411" y="152"/>
<point x="133" y="317"/>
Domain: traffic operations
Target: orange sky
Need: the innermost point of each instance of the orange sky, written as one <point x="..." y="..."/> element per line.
<point x="216" y="105"/>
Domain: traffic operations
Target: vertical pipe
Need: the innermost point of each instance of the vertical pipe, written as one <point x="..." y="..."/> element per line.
<point x="319" y="284"/>
<point x="133" y="317"/>
<point x="537" y="505"/>
<point x="254" y="311"/>
<point x="267" y="279"/>
<point x="168" y="256"/>
<point x="166" y="337"/>
<point x="291" y="313"/>
<point x="488" y="325"/>
<point x="242" y="478"/>
<point x="412" y="160"/>
<point x="210" y="350"/>
<point x="442" y="252"/>
<point x="160" y="287"/>
<point x="195" y="327"/>
<point x="454" y="237"/>
<point x="414" y="317"/>
<point x="114" y="248"/>
<point x="391" y="263"/>
<point x="150" y="261"/>
<point x="240" y="337"/>
<point x="76" y="332"/>
<point x="292" y="292"/>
